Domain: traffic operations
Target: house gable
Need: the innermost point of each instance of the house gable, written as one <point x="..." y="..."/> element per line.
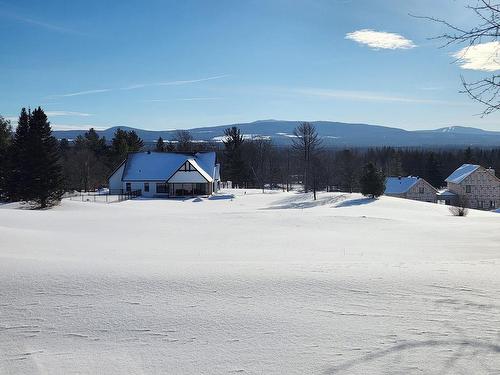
<point x="189" y="172"/>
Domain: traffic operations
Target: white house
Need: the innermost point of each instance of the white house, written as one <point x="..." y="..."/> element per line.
<point x="410" y="187"/>
<point x="167" y="174"/>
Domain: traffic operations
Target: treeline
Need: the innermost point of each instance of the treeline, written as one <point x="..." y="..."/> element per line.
<point x="35" y="167"/>
<point x="261" y="164"/>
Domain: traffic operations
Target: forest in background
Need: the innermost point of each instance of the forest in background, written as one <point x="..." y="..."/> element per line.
<point x="85" y="163"/>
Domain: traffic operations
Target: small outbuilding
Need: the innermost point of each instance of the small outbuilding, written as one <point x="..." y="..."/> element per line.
<point x="167" y="174"/>
<point x="410" y="187"/>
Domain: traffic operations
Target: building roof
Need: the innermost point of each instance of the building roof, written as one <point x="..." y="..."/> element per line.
<point x="399" y="185"/>
<point x="446" y="192"/>
<point x="160" y="166"/>
<point x="461" y="173"/>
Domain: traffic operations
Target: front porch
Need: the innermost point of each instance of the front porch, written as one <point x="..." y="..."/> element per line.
<point x="172" y="190"/>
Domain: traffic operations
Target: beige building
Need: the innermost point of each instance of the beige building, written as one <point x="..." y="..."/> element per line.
<point x="410" y="187"/>
<point x="473" y="186"/>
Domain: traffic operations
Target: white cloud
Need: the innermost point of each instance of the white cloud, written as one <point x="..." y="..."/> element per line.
<point x="183" y="99"/>
<point x="140" y="86"/>
<point x="367" y="96"/>
<point x="77" y="127"/>
<point x="66" y="113"/>
<point x="78" y="93"/>
<point x="380" y="39"/>
<point x="45" y="25"/>
<point x="484" y="56"/>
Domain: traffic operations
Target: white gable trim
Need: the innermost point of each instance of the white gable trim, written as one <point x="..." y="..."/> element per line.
<point x="187" y="177"/>
<point x="197" y="176"/>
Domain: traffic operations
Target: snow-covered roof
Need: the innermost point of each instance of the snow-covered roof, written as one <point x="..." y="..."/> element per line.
<point x="461" y="173"/>
<point x="208" y="177"/>
<point x="399" y="185"/>
<point x="446" y="192"/>
<point x="160" y="166"/>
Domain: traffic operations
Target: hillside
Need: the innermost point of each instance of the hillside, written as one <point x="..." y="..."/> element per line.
<point x="333" y="133"/>
<point x="252" y="283"/>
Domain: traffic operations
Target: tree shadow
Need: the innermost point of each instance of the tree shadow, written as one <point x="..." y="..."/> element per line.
<point x="455" y="347"/>
<point x="221" y="197"/>
<point x="305" y="200"/>
<point x="356" y="202"/>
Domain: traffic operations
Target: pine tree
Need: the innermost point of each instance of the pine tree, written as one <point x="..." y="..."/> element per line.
<point x="95" y="143"/>
<point x="235" y="167"/>
<point x="5" y="142"/>
<point x="134" y="142"/>
<point x="160" y="145"/>
<point x="372" y="181"/>
<point x="124" y="142"/>
<point x="468" y="156"/>
<point x="45" y="171"/>
<point x="433" y="171"/>
<point x="19" y="160"/>
<point x="119" y="146"/>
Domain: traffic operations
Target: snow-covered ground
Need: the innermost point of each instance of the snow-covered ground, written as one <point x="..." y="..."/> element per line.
<point x="256" y="284"/>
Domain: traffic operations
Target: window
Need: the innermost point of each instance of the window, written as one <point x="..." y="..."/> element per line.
<point x="481" y="204"/>
<point x="493" y="204"/>
<point x="187" y="167"/>
<point x="161" y="188"/>
<point x="421" y="190"/>
<point x="128" y="186"/>
<point x="468" y="188"/>
<point x="146" y="187"/>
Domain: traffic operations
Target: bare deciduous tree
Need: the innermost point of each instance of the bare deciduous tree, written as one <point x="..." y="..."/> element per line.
<point x="461" y="208"/>
<point x="306" y="143"/>
<point x="487" y="29"/>
<point x="184" y="141"/>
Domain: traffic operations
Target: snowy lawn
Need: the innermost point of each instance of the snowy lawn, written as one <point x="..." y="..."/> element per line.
<point x="256" y="284"/>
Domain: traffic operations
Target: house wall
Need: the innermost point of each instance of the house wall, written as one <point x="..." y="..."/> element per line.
<point x="187" y="177"/>
<point x="139" y="185"/>
<point x="115" y="180"/>
<point x="485" y="188"/>
<point x="428" y="194"/>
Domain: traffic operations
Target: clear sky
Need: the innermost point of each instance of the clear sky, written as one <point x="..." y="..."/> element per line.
<point x="161" y="64"/>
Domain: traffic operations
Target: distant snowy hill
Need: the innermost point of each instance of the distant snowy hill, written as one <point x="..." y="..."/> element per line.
<point x="333" y="134"/>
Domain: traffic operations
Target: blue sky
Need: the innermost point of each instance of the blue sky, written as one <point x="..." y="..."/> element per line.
<point x="179" y="64"/>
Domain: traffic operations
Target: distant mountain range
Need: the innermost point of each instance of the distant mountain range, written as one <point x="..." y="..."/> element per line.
<point x="333" y="134"/>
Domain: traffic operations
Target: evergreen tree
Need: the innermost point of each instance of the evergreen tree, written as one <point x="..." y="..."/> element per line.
<point x="95" y="143"/>
<point x="468" y="156"/>
<point x="372" y="181"/>
<point x="63" y="147"/>
<point x="160" y="145"/>
<point x="134" y="142"/>
<point x="235" y="167"/>
<point x="124" y="142"/>
<point x="433" y="171"/>
<point x="44" y="170"/>
<point x="119" y="146"/>
<point x="5" y="142"/>
<point x="19" y="160"/>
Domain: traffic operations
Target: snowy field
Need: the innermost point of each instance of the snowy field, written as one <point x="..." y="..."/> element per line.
<point x="256" y="284"/>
